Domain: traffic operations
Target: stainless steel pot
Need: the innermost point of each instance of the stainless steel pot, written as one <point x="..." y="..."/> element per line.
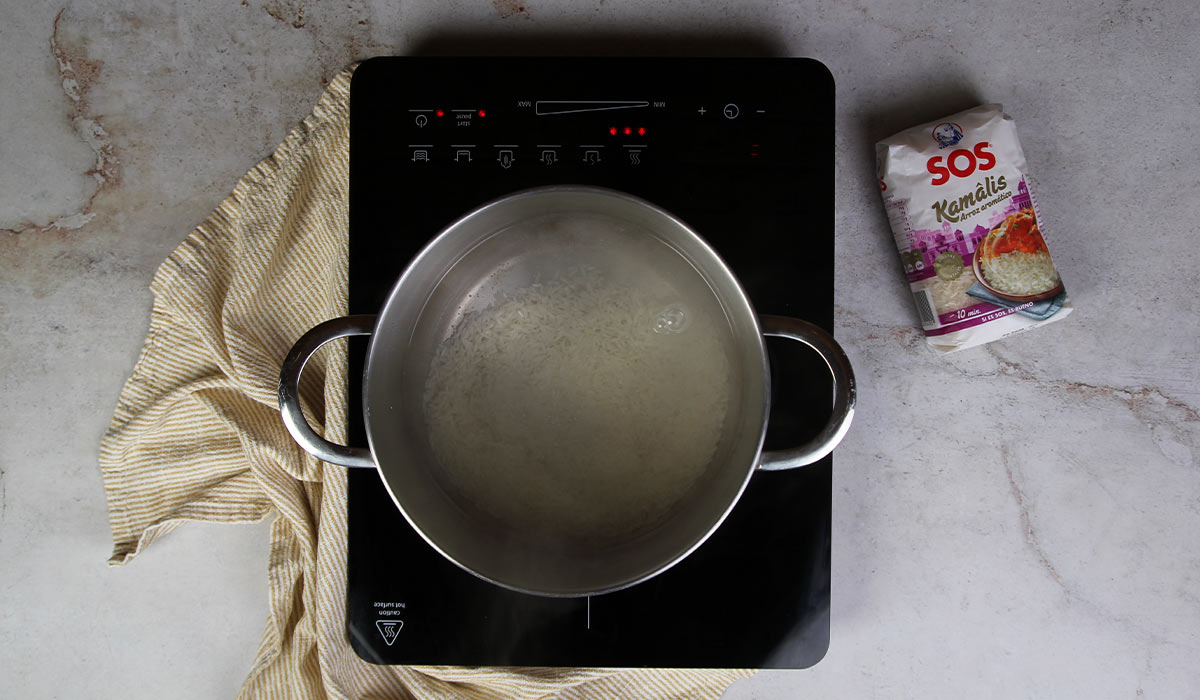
<point x="449" y="275"/>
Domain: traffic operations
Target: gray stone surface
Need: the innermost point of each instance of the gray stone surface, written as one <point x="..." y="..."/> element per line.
<point x="1012" y="521"/>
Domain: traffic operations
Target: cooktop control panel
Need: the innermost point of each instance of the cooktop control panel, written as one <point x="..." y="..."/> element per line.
<point x="559" y="134"/>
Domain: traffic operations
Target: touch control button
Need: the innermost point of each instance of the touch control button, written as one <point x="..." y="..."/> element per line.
<point x="731" y="111"/>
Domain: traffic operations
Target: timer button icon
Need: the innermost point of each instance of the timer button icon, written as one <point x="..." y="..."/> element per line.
<point x="731" y="111"/>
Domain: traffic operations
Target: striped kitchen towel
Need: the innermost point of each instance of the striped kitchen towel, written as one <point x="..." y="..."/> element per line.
<point x="196" y="434"/>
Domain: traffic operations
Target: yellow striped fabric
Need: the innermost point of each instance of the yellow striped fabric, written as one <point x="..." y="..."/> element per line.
<point x="196" y="434"/>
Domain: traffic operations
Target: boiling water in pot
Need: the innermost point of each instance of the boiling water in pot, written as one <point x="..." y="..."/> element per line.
<point x="583" y="388"/>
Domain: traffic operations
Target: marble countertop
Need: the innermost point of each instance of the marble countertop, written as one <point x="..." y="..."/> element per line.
<point x="1017" y="520"/>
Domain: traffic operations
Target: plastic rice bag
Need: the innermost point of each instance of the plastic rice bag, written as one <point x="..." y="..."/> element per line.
<point x="968" y="229"/>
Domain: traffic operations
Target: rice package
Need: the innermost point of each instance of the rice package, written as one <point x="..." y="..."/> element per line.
<point x="968" y="229"/>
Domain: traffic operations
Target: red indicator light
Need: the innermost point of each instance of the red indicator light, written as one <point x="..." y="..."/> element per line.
<point x="483" y="112"/>
<point x="612" y="130"/>
<point x="440" y="112"/>
<point x="628" y="130"/>
<point x="641" y="131"/>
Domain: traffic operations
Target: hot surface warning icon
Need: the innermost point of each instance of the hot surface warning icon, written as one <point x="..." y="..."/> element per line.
<point x="390" y="629"/>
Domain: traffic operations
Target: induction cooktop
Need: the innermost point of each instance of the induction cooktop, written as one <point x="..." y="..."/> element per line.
<point x="741" y="149"/>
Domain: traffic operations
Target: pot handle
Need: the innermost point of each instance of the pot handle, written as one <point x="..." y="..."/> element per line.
<point x="289" y="391"/>
<point x="844" y="392"/>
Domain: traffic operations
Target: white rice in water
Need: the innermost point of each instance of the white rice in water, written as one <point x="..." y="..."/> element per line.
<point x="1018" y="272"/>
<point x="583" y="406"/>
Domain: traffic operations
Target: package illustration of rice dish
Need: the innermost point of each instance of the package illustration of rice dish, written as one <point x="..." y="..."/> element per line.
<point x="968" y="229"/>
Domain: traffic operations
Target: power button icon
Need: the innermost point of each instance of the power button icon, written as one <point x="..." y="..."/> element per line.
<point x="731" y="111"/>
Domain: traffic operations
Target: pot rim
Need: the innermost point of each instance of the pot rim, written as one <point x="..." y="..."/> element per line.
<point x="754" y="344"/>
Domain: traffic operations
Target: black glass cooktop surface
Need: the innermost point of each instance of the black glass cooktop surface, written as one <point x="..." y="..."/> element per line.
<point x="742" y="151"/>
